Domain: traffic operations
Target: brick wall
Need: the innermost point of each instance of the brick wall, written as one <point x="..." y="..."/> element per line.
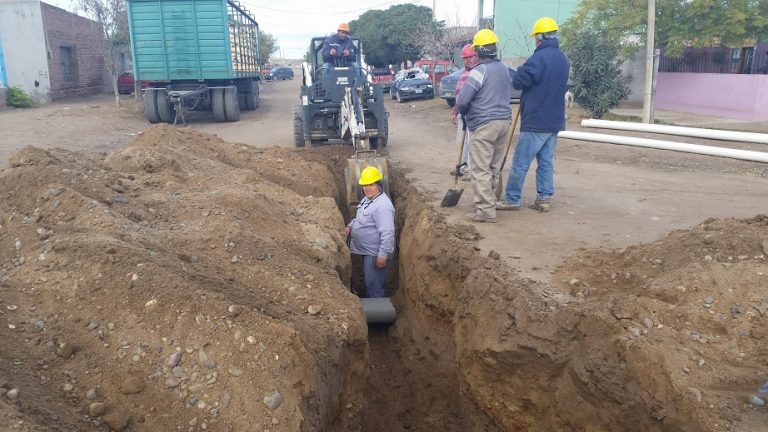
<point x="75" y="61"/>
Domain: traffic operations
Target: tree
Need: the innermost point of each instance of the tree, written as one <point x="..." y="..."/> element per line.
<point x="267" y="46"/>
<point x="598" y="83"/>
<point x="113" y="18"/>
<point x="386" y="34"/>
<point x="679" y="23"/>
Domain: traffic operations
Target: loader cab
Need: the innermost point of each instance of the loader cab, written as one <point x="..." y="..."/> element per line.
<point x="329" y="85"/>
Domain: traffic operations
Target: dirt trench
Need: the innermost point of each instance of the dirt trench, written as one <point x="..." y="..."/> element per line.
<point x="193" y="284"/>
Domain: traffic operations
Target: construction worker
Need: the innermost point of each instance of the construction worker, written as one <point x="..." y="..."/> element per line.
<point x="484" y="104"/>
<point x="372" y="232"/>
<point x="469" y="57"/>
<point x="543" y="78"/>
<point x="338" y="49"/>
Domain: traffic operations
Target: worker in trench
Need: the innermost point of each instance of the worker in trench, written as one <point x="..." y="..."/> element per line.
<point x="371" y="233"/>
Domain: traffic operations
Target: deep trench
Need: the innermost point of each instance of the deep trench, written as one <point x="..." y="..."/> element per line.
<point x="413" y="382"/>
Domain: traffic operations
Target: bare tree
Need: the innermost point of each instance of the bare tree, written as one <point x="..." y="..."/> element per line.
<point x="436" y="41"/>
<point x="112" y="16"/>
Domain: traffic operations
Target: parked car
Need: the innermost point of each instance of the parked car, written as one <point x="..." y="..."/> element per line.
<point x="411" y="84"/>
<point x="126" y="83"/>
<point x="382" y="76"/>
<point x="448" y="87"/>
<point x="280" y="73"/>
<point x="441" y="68"/>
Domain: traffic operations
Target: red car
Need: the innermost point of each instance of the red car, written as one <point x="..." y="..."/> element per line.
<point x="382" y="76"/>
<point x="126" y="84"/>
<point x="442" y="68"/>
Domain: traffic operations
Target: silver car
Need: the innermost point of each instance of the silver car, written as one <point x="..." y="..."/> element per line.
<point x="448" y="87"/>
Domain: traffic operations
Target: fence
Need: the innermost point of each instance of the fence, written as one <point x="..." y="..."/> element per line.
<point x="744" y="60"/>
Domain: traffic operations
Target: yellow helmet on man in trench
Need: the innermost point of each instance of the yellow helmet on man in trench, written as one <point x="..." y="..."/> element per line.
<point x="369" y="176"/>
<point x="544" y="25"/>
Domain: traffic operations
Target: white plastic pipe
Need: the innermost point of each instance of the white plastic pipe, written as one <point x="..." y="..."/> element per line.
<point x="667" y="145"/>
<point x="679" y="130"/>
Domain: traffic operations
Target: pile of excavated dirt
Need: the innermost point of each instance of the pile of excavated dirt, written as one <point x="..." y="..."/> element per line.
<point x="668" y="336"/>
<point x="182" y="283"/>
<point x="687" y="320"/>
<point x="187" y="283"/>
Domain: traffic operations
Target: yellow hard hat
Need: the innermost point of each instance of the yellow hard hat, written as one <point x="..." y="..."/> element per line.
<point x="369" y="176"/>
<point x="484" y="37"/>
<point x="544" y="25"/>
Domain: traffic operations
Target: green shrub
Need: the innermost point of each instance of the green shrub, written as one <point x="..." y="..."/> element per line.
<point x="16" y="97"/>
<point x="598" y="83"/>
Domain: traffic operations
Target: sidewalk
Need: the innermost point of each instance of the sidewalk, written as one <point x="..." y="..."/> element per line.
<point x="697" y="120"/>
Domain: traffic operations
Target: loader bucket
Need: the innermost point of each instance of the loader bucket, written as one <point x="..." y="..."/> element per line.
<point x="352" y="171"/>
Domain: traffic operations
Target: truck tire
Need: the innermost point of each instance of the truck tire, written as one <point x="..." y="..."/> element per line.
<point x="217" y="104"/>
<point x="256" y="95"/>
<point x="451" y="102"/>
<point x="166" y="111"/>
<point x="231" y="104"/>
<point x="150" y="106"/>
<point x="251" y="98"/>
<point x="298" y="127"/>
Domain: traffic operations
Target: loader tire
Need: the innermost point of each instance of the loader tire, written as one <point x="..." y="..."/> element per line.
<point x="298" y="127"/>
<point x="231" y="104"/>
<point x="380" y="142"/>
<point x="150" y="106"/>
<point x="165" y="109"/>
<point x="217" y="105"/>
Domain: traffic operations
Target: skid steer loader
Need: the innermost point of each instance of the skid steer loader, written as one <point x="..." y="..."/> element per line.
<point x="337" y="103"/>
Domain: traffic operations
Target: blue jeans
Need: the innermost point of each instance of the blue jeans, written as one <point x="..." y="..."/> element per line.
<point x="530" y="145"/>
<point x="374" y="277"/>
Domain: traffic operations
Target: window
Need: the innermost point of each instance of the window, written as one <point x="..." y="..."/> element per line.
<point x="425" y="68"/>
<point x="68" y="62"/>
<point x="439" y="68"/>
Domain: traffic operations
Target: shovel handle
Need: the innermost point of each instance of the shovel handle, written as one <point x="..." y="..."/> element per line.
<point x="461" y="149"/>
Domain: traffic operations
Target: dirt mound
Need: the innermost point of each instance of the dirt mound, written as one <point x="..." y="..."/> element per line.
<point x="180" y="283"/>
<point x="687" y="319"/>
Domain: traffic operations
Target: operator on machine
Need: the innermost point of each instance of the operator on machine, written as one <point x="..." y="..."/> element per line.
<point x="339" y="48"/>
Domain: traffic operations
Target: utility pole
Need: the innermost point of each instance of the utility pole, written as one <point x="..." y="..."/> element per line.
<point x="649" y="50"/>
<point x="480" y="8"/>
<point x="433" y="9"/>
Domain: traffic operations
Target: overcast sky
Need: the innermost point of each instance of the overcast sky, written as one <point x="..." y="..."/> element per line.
<point x="294" y="22"/>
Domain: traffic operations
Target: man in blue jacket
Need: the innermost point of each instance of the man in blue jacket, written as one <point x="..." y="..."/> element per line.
<point x="543" y="78"/>
<point x="338" y="49"/>
<point x="484" y="105"/>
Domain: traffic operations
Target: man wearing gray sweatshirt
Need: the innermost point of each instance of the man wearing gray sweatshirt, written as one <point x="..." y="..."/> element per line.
<point x="372" y="232"/>
<point x="484" y="103"/>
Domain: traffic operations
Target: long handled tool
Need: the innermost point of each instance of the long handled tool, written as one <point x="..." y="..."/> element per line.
<point x="451" y="197"/>
<point x="500" y="184"/>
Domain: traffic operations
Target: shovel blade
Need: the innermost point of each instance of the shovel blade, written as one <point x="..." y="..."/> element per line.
<point x="451" y="198"/>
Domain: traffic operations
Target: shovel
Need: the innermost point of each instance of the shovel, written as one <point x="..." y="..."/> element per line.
<point x="451" y="197"/>
<point x="500" y="185"/>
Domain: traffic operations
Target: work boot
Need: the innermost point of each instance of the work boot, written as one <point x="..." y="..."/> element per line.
<point x="540" y="205"/>
<point x="507" y="206"/>
<point x="473" y="217"/>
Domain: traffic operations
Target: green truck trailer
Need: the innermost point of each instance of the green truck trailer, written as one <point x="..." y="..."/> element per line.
<point x="200" y="55"/>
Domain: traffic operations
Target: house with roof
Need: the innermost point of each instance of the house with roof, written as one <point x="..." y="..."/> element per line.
<point x="48" y="52"/>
